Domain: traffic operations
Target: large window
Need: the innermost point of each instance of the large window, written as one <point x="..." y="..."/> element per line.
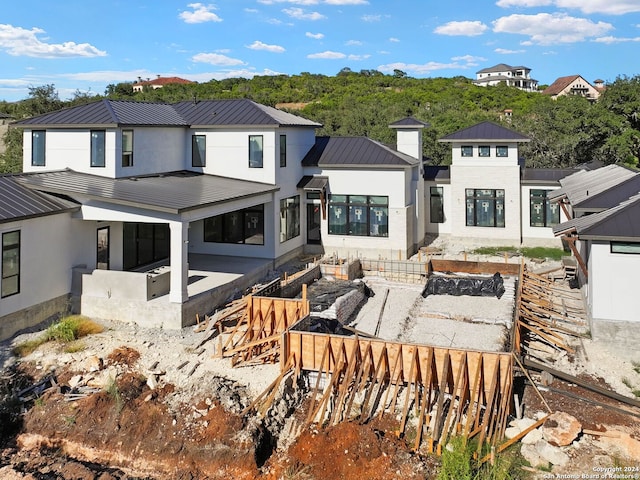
<point x="97" y="148"/>
<point x="289" y="218"/>
<point x="242" y="226"/>
<point x="283" y="150"/>
<point x="543" y="213"/>
<point x="466" y="151"/>
<point x="436" y="205"/>
<point x="255" y="151"/>
<point x="485" y="208"/>
<point x="198" y="151"/>
<point x="127" y="148"/>
<point x="625" y="247"/>
<point x="364" y="215"/>
<point x="145" y="243"/>
<point x="10" y="263"/>
<point x="38" y="143"/>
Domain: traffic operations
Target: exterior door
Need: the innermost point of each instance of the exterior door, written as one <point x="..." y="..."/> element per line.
<point x="313" y="224"/>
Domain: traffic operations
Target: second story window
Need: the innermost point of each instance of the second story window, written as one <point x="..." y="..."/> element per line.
<point x="198" y="151"/>
<point x="255" y="151"/>
<point x="97" y="148"/>
<point x="127" y="148"/>
<point x="466" y="151"/>
<point x="283" y="150"/>
<point x="502" y="151"/>
<point x="484" y="151"/>
<point x="38" y="141"/>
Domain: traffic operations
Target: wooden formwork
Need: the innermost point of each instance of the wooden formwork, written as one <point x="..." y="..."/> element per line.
<point x="453" y="392"/>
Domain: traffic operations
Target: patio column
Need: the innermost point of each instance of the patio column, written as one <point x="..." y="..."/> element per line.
<point x="179" y="262"/>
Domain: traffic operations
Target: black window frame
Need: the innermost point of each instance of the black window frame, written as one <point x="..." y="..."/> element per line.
<point x="466" y="151"/>
<point x="484" y="151"/>
<point x="12" y="277"/>
<point x="436" y="204"/>
<point x="289" y="218"/>
<point x="541" y="197"/>
<point x="98" y="144"/>
<point x="38" y="148"/>
<point x="622" y="247"/>
<point x="346" y="206"/>
<point x="127" y="155"/>
<point x="475" y="195"/>
<point x="499" y="152"/>
<point x="283" y="151"/>
<point x="218" y="229"/>
<point x="254" y="161"/>
<point x="198" y="152"/>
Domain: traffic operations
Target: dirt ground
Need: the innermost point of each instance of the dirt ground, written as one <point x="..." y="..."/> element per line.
<point x="133" y="403"/>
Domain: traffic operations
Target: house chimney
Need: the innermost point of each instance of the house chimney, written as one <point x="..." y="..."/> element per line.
<point x="409" y="136"/>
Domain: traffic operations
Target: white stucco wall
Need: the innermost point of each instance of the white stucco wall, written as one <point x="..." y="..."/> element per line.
<point x="613" y="293"/>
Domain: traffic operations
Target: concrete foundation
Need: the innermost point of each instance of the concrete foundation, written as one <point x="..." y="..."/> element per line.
<point x="32" y="316"/>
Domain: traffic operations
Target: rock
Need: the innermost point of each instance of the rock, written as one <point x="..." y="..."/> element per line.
<point x="623" y="443"/>
<point x="103" y="379"/>
<point x="511" y="432"/>
<point x="546" y="378"/>
<point x="152" y="382"/>
<point x="551" y="453"/>
<point x="560" y="429"/>
<point x="92" y="364"/>
<point x="75" y="381"/>
<point x="532" y="437"/>
<point x="531" y="455"/>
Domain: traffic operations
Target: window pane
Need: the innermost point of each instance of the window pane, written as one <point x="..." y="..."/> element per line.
<point x="10" y="263"/>
<point x="537" y="212"/>
<point x="379" y="222"/>
<point x="379" y="200"/>
<point x="358" y="220"/>
<point x="213" y="229"/>
<point x="233" y="227"/>
<point x="283" y="150"/>
<point x="198" y="151"/>
<point x="553" y="213"/>
<point x="255" y="151"/>
<point x="97" y="148"/>
<point x="467" y="151"/>
<point x="625" y="247"/>
<point x="337" y="219"/>
<point x="127" y="148"/>
<point x="436" y="205"/>
<point x="38" y="148"/>
<point x="338" y="198"/>
<point x="501" y="151"/>
<point x="254" y="226"/>
<point x="484" y="151"/>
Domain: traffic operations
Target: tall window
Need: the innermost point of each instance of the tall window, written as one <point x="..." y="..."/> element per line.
<point x="10" y="263"/>
<point x="485" y="208"/>
<point x="255" y="151"/>
<point x="198" y="151"/>
<point x="244" y="226"/>
<point x="38" y="142"/>
<point x="364" y="215"/>
<point x="144" y="243"/>
<point x="436" y="205"/>
<point x="127" y="148"/>
<point x="466" y="151"/>
<point x="289" y="218"/>
<point x="97" y="148"/>
<point x="283" y="150"/>
<point x="502" y="151"/>
<point x="543" y="213"/>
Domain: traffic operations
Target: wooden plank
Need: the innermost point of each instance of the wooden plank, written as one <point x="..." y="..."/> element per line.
<point x="410" y="382"/>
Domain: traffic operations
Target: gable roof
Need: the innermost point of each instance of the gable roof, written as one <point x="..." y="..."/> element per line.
<point x="502" y="67"/>
<point x="164" y="81"/>
<point x="409" y="122"/>
<point x="583" y="184"/>
<point x="173" y="192"/>
<point x="354" y="151"/>
<point x="619" y="223"/>
<point x="545" y="176"/>
<point x="612" y="196"/>
<point x="118" y="113"/>
<point x="560" y="84"/>
<point x="485" y="131"/>
<point x="19" y="203"/>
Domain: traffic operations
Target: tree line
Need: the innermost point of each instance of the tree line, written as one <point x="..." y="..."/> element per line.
<point x="565" y="132"/>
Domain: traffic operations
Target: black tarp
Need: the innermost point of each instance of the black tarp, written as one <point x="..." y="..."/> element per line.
<point x="473" y="286"/>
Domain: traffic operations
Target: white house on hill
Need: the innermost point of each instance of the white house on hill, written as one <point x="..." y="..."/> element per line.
<point x="518" y="77"/>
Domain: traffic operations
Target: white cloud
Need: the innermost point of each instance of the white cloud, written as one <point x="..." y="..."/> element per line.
<point x="316" y="36"/>
<point x="466" y="28"/>
<point x="216" y="59"/>
<point x="358" y="57"/>
<point x="346" y="2"/>
<point x="300" y="14"/>
<point x="17" y="41"/>
<point x="469" y="60"/>
<point x="258" y="45"/>
<point x="550" y="29"/>
<point x="315" y="2"/>
<point x="327" y="55"/>
<point x="394" y="40"/>
<point x="462" y="62"/>
<point x="352" y="43"/>
<point x="610" y="7"/>
<point x="611" y="40"/>
<point x="201" y="13"/>
<point x="505" y="51"/>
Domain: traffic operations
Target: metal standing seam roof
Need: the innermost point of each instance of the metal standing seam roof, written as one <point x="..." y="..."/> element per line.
<point x="313" y="182"/>
<point x="174" y="192"/>
<point x="353" y="152"/>
<point x="617" y="223"/>
<point x="545" y="176"/>
<point x="611" y="197"/>
<point x="239" y="112"/>
<point x="502" y="67"/>
<point x="483" y="132"/>
<point x="439" y="173"/>
<point x="18" y="202"/>
<point x="409" y="122"/>
<point x="586" y="183"/>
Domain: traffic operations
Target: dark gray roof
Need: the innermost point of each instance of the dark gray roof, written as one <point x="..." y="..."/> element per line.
<point x="619" y="223"/>
<point x="354" y="152"/>
<point x="611" y="197"/>
<point x="313" y="182"/>
<point x="108" y="113"/>
<point x="18" y="202"/>
<point x="545" y="176"/>
<point x="586" y="183"/>
<point x="483" y="132"/>
<point x="238" y="112"/>
<point x="171" y="192"/>
<point x="501" y="67"/>
<point x="105" y="113"/>
<point x="409" y="122"/>
<point x="439" y="173"/>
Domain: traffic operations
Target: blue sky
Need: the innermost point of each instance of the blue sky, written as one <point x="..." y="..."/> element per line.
<point x="87" y="44"/>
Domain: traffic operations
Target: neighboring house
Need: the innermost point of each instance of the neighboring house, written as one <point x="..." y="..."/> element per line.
<point x="518" y="77"/>
<point x="487" y="196"/>
<point x="573" y="85"/>
<point x="158" y="82"/>
<point x="604" y="233"/>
